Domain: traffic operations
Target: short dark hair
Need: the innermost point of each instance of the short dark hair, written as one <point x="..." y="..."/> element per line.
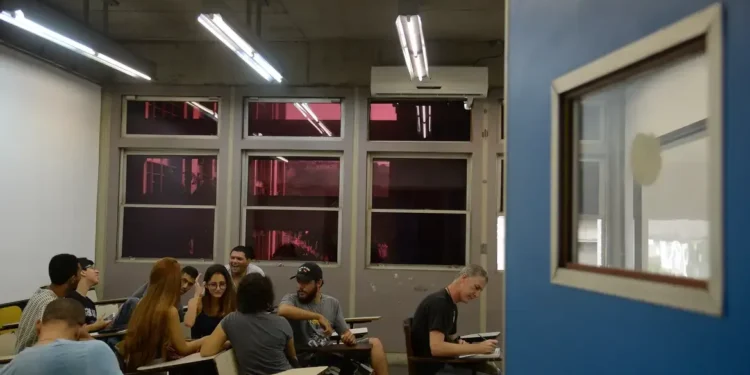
<point x="255" y="294"/>
<point x="62" y="267"/>
<point x="247" y="250"/>
<point x="191" y="271"/>
<point x="64" y="309"/>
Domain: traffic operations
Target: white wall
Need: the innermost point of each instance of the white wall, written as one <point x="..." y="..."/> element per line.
<point x="49" y="150"/>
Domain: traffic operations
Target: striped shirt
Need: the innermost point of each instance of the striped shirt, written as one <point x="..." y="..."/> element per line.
<point x="26" y="333"/>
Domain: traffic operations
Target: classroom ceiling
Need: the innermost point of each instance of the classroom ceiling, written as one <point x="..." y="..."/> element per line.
<point x="294" y="20"/>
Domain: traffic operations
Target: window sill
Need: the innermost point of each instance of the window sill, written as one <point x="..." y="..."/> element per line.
<point x="706" y="301"/>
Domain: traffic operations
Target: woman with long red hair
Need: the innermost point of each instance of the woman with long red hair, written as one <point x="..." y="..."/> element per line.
<point x="154" y="328"/>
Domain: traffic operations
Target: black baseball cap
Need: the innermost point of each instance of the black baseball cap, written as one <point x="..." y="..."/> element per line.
<point x="308" y="272"/>
<point x="85" y="263"/>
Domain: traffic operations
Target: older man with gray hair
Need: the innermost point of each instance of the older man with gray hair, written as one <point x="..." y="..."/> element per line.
<point x="434" y="324"/>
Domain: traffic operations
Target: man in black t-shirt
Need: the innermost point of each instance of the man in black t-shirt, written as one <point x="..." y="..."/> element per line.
<point x="89" y="279"/>
<point x="434" y="324"/>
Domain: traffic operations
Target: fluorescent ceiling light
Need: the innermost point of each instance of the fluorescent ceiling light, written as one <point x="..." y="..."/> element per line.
<point x="221" y="30"/>
<point x="204" y="109"/>
<point x="304" y="108"/>
<point x="282" y="159"/>
<point x="18" y="19"/>
<point x="412" y="45"/>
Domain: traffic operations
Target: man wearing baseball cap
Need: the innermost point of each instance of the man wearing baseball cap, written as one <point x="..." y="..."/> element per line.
<point x="314" y="315"/>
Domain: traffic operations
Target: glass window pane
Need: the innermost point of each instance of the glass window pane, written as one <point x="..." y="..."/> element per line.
<point x="171" y="179"/>
<point x="423" y="120"/>
<point x="172" y="118"/>
<point x="293" y="119"/>
<point x="168" y="232"/>
<point x="588" y="202"/>
<point x="438" y="184"/>
<point x="293" y="181"/>
<point x="293" y="235"/>
<point x="416" y="238"/>
<point x="592" y="121"/>
<point x="590" y="242"/>
<point x="656" y="160"/>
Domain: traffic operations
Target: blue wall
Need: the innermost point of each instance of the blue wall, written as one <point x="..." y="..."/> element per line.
<point x="559" y="330"/>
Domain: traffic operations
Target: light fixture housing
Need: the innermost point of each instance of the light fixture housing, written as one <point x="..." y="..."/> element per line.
<point x="216" y="24"/>
<point x="19" y="19"/>
<point x="411" y="37"/>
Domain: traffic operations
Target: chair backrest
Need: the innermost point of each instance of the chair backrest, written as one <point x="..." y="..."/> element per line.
<point x="10" y="314"/>
<point x="409" y="349"/>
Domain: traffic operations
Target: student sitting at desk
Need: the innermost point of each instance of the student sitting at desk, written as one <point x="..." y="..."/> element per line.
<point x="434" y="324"/>
<point x="89" y="279"/>
<point x="64" y="273"/>
<point x="154" y="329"/>
<point x="311" y="314"/>
<point x="58" y="351"/>
<point x="206" y="310"/>
<point x="262" y="341"/>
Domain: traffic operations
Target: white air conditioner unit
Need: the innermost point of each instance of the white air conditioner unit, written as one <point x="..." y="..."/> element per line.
<point x="465" y="82"/>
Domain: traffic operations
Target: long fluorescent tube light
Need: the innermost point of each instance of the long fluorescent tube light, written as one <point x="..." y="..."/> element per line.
<point x="221" y="30"/>
<point x="306" y="111"/>
<point x="411" y="37"/>
<point x="18" y="19"/>
<point x="204" y="109"/>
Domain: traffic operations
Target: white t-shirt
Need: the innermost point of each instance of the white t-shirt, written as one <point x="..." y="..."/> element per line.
<point x="251" y="268"/>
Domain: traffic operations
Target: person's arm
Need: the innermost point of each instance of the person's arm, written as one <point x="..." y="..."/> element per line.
<point x="340" y="326"/>
<point x="195" y="305"/>
<point x="140" y="292"/>
<point x="295" y="313"/>
<point x="99" y="325"/>
<point x="176" y="337"/>
<point x="291" y="353"/>
<point x="441" y="348"/>
<point x="214" y="343"/>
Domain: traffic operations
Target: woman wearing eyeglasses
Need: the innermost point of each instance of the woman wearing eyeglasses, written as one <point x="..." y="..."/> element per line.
<point x="206" y="310"/>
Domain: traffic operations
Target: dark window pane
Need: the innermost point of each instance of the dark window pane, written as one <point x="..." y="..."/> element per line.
<point x="171" y="179"/>
<point x="589" y="190"/>
<point x="438" y="184"/>
<point x="419" y="121"/>
<point x="413" y="238"/>
<point x="290" y="119"/>
<point x="293" y="181"/>
<point x="293" y="235"/>
<point x="168" y="232"/>
<point x="172" y="118"/>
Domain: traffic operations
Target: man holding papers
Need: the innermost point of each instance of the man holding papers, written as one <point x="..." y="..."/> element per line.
<point x="434" y="324"/>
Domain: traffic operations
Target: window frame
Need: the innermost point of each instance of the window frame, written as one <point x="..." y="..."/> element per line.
<point x="121" y="201"/>
<point x="371" y="156"/>
<point x="244" y="208"/>
<point x="705" y="25"/>
<point x="150" y="98"/>
<point x="501" y="166"/>
<point x="272" y="99"/>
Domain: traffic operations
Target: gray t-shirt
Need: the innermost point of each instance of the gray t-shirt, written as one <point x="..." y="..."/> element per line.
<point x="64" y="357"/>
<point x="259" y="342"/>
<point x="309" y="333"/>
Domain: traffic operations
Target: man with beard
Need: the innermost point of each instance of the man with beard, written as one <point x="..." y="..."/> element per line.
<point x="314" y="315"/>
<point x="239" y="263"/>
<point x="64" y="273"/>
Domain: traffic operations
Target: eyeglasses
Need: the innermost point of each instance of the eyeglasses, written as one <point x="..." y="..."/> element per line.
<point x="216" y="285"/>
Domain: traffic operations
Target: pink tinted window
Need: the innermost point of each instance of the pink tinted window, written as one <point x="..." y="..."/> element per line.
<point x="183" y="118"/>
<point x="293" y="119"/>
<point x="293" y="181"/>
<point x="170" y="179"/>
<point x="419" y="120"/>
<point x="293" y="235"/>
<point x="183" y="233"/>
<point x="417" y="238"/>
